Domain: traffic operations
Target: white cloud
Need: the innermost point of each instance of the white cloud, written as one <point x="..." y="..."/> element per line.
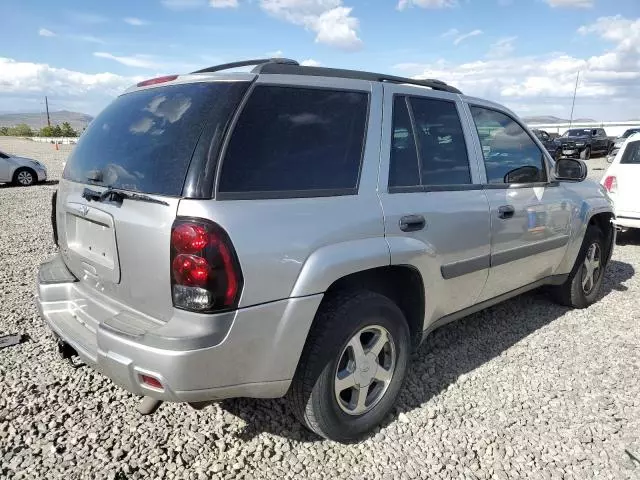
<point x="136" y="22"/>
<point x="25" y="83"/>
<point x="89" y="18"/>
<point x="310" y="63"/>
<point x="328" y="19"/>
<point x="461" y="38"/>
<point x="223" y="3"/>
<point x="43" y="32"/>
<point x="87" y="38"/>
<point x="140" y="61"/>
<point x="609" y="86"/>
<point x="570" y="3"/>
<point x="403" y="4"/>
<point x="502" y="48"/>
<point x="182" y="4"/>
<point x="276" y="54"/>
<point x="452" y="32"/>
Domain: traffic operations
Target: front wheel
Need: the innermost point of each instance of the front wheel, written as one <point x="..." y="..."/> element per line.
<point x="24" y="177"/>
<point x="586" y="154"/>
<point x="352" y="367"/>
<point x="583" y="286"/>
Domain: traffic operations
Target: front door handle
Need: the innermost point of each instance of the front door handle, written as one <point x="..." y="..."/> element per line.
<point x="506" y="211"/>
<point x="412" y="223"/>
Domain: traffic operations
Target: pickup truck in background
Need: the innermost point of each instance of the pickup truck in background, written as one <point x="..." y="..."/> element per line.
<point x="582" y="143"/>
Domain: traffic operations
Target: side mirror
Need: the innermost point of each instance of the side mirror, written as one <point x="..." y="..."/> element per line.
<point x="526" y="174"/>
<point x="570" y="169"/>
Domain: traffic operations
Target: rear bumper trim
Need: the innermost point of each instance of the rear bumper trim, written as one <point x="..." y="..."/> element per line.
<point x="254" y="353"/>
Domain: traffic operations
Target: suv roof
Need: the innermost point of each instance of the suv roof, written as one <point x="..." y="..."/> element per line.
<point x="286" y="66"/>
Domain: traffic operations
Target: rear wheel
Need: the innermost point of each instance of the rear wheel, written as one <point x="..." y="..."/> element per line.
<point x="585" y="280"/>
<point x="352" y="367"/>
<point x="24" y="177"/>
<point x="586" y="154"/>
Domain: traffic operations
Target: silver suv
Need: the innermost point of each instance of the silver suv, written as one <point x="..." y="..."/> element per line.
<point x="299" y="230"/>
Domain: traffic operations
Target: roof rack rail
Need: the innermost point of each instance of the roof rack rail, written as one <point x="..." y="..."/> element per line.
<point x="247" y="63"/>
<point x="293" y="68"/>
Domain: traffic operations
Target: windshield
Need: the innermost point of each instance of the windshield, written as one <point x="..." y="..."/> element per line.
<point x="630" y="132"/>
<point x="144" y="140"/>
<point x="577" y="132"/>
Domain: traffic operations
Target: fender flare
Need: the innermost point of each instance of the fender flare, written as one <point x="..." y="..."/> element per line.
<point x="332" y="262"/>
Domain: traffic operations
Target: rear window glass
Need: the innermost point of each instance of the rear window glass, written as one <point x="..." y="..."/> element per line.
<point x="294" y="139"/>
<point x="144" y="140"/>
<point x="631" y="153"/>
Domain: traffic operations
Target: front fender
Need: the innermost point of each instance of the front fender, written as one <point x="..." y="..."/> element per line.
<point x="588" y="209"/>
<point x="332" y="262"/>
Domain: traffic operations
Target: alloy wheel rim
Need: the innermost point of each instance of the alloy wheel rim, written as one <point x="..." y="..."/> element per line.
<point x="25" y="178"/>
<point x="591" y="268"/>
<point x="365" y="369"/>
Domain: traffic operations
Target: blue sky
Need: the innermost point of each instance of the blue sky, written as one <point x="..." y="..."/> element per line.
<point x="524" y="53"/>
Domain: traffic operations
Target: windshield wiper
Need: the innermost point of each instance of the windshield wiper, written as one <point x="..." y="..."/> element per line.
<point x="115" y="195"/>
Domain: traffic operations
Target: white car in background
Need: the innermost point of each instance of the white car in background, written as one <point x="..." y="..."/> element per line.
<point x="21" y="171"/>
<point x="622" y="181"/>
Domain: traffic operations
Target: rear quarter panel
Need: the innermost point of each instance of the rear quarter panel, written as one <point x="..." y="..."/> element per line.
<point x="300" y="246"/>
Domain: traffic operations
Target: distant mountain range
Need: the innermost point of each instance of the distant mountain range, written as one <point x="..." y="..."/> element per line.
<point x="546" y="119"/>
<point x="77" y="120"/>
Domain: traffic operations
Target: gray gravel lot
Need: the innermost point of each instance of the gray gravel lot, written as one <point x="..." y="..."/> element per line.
<point x="526" y="389"/>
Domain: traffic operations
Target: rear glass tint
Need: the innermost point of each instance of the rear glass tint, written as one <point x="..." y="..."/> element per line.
<point x="631" y="153"/>
<point x="144" y="140"/>
<point x="291" y="139"/>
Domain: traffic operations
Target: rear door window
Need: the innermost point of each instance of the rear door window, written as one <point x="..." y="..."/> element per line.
<point x="144" y="140"/>
<point x="441" y="145"/>
<point x="296" y="141"/>
<point x="403" y="163"/>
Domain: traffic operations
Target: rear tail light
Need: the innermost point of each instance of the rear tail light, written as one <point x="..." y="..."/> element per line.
<point x="611" y="184"/>
<point x="205" y="273"/>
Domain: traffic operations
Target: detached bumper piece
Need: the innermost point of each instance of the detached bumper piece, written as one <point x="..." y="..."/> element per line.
<point x="12" y="340"/>
<point x="55" y="271"/>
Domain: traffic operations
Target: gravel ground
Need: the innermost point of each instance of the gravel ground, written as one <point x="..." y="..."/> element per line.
<point x="526" y="389"/>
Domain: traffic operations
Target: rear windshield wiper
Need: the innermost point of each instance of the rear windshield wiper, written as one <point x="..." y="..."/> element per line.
<point x="113" y="194"/>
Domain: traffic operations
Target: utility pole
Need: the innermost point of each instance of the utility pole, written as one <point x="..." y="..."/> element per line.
<point x="46" y="102"/>
<point x="573" y="104"/>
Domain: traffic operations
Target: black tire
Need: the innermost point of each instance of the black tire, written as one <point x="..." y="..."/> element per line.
<point x="24" y="177"/>
<point x="312" y="394"/>
<point x="572" y="293"/>
<point x="586" y="154"/>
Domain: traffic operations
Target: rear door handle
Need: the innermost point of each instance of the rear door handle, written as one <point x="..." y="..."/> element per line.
<point x="412" y="223"/>
<point x="506" y="211"/>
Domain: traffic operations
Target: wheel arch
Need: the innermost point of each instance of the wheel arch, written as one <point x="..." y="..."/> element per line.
<point x="403" y="284"/>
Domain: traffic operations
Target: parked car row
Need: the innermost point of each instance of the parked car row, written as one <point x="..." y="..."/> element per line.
<point x="576" y="143"/>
